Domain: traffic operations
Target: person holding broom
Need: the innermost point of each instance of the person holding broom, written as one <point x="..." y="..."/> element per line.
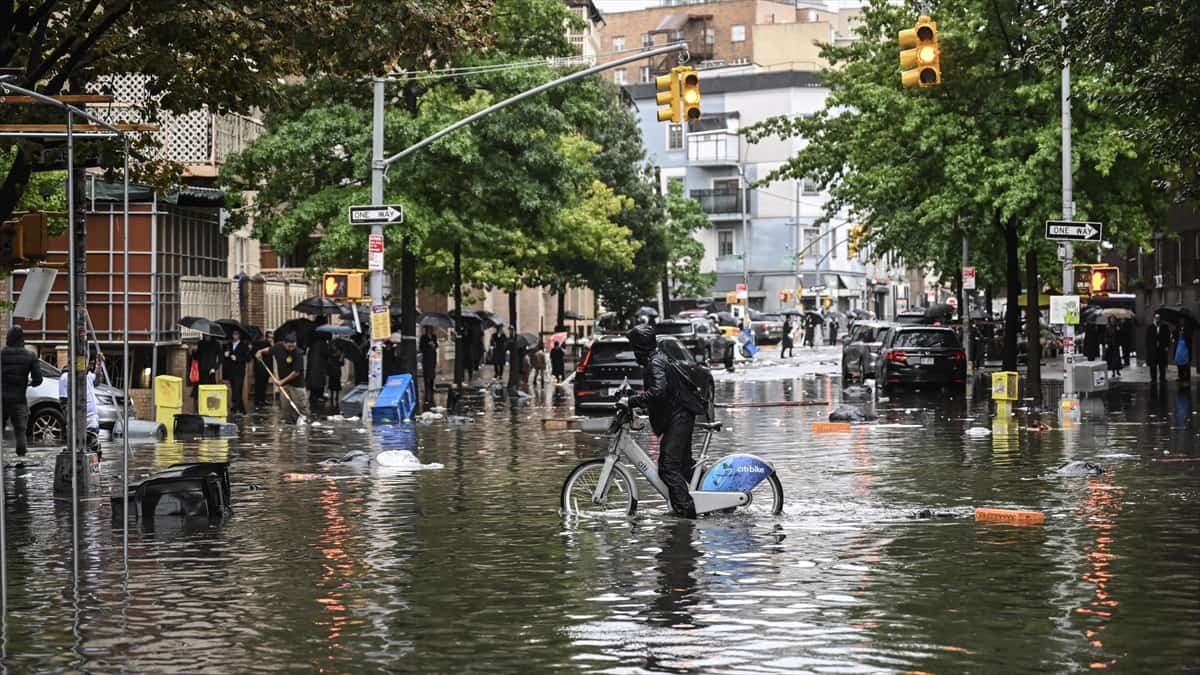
<point x="288" y="376"/>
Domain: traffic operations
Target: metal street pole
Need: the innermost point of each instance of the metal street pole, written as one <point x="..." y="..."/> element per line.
<point x="375" y="358"/>
<point x="966" y="320"/>
<point x="1068" y="211"/>
<point x="743" y="198"/>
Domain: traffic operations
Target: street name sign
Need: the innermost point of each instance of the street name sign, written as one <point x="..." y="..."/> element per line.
<point x="377" y="214"/>
<point x="1073" y="230"/>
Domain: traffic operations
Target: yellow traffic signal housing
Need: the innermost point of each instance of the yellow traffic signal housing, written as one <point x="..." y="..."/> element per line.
<point x="342" y="285"/>
<point x="689" y="92"/>
<point x="854" y="242"/>
<point x="1105" y="279"/>
<point x="920" y="57"/>
<point x="668" y="95"/>
<point x="24" y="239"/>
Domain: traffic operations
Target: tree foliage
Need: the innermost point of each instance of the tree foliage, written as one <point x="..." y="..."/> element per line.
<point x="978" y="155"/>
<point x="686" y="217"/>
<point x="220" y="53"/>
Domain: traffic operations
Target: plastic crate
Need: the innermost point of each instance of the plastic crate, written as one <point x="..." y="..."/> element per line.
<point x="397" y="401"/>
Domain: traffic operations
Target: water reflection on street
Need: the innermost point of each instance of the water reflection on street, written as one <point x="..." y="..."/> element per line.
<point x="472" y="567"/>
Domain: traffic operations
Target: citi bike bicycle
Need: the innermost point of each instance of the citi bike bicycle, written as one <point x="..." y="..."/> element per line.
<point x="605" y="487"/>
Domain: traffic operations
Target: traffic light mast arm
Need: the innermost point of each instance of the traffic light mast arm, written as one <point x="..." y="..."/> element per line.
<point x="598" y="68"/>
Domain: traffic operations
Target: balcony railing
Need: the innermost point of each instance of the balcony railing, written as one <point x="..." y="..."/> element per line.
<point x="719" y="201"/>
<point x="714" y="147"/>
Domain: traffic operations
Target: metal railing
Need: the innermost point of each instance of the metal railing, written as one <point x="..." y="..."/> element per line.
<point x="714" y="147"/>
<point x="721" y="200"/>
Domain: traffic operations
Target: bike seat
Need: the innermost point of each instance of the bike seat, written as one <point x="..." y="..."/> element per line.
<point x="709" y="426"/>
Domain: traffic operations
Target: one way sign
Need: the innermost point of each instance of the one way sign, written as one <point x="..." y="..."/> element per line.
<point x="1073" y="230"/>
<point x="373" y="215"/>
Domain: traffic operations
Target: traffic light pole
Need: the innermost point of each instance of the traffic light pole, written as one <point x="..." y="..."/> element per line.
<point x="375" y="356"/>
<point x="1068" y="210"/>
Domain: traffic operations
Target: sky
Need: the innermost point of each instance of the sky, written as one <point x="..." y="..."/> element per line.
<point x="623" y="5"/>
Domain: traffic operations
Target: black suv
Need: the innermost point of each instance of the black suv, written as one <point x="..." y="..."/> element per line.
<point x="607" y="364"/>
<point x="919" y="356"/>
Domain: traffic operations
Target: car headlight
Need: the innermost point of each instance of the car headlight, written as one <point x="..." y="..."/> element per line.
<point x="105" y="400"/>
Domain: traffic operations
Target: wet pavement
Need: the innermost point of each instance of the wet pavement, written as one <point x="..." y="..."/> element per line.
<point x="471" y="567"/>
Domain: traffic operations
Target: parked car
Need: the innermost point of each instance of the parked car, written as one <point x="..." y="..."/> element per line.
<point x="609" y="362"/>
<point x="912" y="318"/>
<point x="768" y="328"/>
<point x="861" y="348"/>
<point x="921" y="356"/>
<point x="697" y="334"/>
<point x="48" y="420"/>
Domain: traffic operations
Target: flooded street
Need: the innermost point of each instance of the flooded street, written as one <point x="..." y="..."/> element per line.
<point x="471" y="567"/>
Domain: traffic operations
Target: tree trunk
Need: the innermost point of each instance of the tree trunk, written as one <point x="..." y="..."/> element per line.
<point x="560" y="320"/>
<point x="665" y="310"/>
<point x="460" y="352"/>
<point x="1012" y="279"/>
<point x="408" y="307"/>
<point x="79" y="322"/>
<point x="14" y="183"/>
<point x="1033" y="328"/>
<point x="515" y="350"/>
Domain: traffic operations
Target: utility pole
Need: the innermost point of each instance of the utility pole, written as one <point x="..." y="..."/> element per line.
<point x="743" y="200"/>
<point x="965" y="304"/>
<point x="375" y="356"/>
<point x="1068" y="212"/>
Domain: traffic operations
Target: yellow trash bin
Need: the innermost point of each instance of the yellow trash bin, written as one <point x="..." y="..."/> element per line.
<point x="1004" y="386"/>
<point x="168" y="399"/>
<point x="213" y="401"/>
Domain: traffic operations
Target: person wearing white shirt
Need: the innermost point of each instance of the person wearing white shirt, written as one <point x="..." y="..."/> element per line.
<point x="93" y="413"/>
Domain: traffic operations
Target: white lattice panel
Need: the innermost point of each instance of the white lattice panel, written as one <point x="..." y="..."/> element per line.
<point x="205" y="297"/>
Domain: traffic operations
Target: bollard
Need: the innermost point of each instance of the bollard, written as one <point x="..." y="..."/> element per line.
<point x="87" y="467"/>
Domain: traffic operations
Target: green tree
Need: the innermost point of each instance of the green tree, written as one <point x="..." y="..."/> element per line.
<point x="223" y="54"/>
<point x="978" y="155"/>
<point x="686" y="217"/>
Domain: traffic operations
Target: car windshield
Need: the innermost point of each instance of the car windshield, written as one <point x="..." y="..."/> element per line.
<point x="606" y="353"/>
<point x="934" y="339"/>
<point x="673" y="329"/>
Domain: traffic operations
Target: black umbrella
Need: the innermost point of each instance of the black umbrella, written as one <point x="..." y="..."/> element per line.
<point x="436" y="320"/>
<point x="467" y="315"/>
<point x="528" y="340"/>
<point x="572" y="315"/>
<point x="318" y="306"/>
<point x="647" y="311"/>
<point x="816" y="316"/>
<point x="204" y="326"/>
<point x="726" y="319"/>
<point x="489" y="320"/>
<point x="939" y="312"/>
<point x="791" y="312"/>
<point x="1178" y="314"/>
<point x="301" y="328"/>
<point x="248" y="332"/>
<point x="860" y="314"/>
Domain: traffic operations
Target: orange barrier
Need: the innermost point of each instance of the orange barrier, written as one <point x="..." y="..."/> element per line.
<point x="1011" y="516"/>
<point x="830" y="427"/>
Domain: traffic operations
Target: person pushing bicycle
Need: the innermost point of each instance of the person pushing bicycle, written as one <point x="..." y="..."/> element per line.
<point x="672" y="401"/>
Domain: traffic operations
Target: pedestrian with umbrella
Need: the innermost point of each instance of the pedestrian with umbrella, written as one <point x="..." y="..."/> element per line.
<point x="205" y="359"/>
<point x="1158" y="343"/>
<point x="333" y="371"/>
<point x="428" y="349"/>
<point x="833" y="330"/>
<point x="499" y="352"/>
<point x="1112" y="351"/>
<point x="787" y="337"/>
<point x="318" y="306"/>
<point x="811" y="321"/>
<point x="233" y="366"/>
<point x="558" y="361"/>
<point x="1183" y="354"/>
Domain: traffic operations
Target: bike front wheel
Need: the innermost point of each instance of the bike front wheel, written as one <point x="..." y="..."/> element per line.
<point x="766" y="498"/>
<point x="579" y="490"/>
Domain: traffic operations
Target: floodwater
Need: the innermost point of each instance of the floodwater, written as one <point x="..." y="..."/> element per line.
<point x="471" y="567"/>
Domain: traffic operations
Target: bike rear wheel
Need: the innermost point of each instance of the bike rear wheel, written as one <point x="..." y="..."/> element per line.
<point x="580" y="487"/>
<point x="766" y="498"/>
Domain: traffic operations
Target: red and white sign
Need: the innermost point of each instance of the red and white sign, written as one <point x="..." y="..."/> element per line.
<point x="743" y="293"/>
<point x="375" y="253"/>
<point x="968" y="278"/>
<point x="952" y="301"/>
<point x="1068" y="343"/>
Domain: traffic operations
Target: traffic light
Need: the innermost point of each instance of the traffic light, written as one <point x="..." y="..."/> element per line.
<point x="689" y="92"/>
<point x="1105" y="279"/>
<point x="920" y="58"/>
<point x="668" y="95"/>
<point x="785" y="296"/>
<point x="23" y="239"/>
<point x="343" y="285"/>
<point x="854" y="241"/>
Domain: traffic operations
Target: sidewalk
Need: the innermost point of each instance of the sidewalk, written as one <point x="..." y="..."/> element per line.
<point x="1052" y="371"/>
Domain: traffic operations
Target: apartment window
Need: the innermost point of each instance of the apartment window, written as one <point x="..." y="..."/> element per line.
<point x="737" y="33"/>
<point x="710" y="36"/>
<point x="724" y="243"/>
<point x="647" y="40"/>
<point x="644" y="74"/>
<point x="811" y="235"/>
<point x="676" y="36"/>
<point x="730" y="184"/>
<point x="618" y="43"/>
<point x="675" y="137"/>
<point x="619" y="76"/>
<point x="809" y="186"/>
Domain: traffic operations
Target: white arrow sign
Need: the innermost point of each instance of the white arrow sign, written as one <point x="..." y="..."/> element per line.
<point x="369" y="215"/>
<point x="1068" y="230"/>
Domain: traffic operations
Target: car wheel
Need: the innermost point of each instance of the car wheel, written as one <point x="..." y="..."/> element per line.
<point x="46" y="425"/>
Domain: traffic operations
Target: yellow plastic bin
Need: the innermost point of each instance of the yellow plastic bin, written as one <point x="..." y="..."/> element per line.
<point x="1004" y="386"/>
<point x="213" y="401"/>
<point x="168" y="399"/>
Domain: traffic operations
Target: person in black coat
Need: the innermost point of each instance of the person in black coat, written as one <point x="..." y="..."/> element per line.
<point x="315" y="375"/>
<point x="672" y="405"/>
<point x="1158" y="344"/>
<point x="558" y="361"/>
<point x="499" y="352"/>
<point x="428" y="349"/>
<point x="233" y="368"/>
<point x="333" y="372"/>
<point x="19" y="370"/>
<point x="787" y="338"/>
<point x="261" y="378"/>
<point x="1112" y="351"/>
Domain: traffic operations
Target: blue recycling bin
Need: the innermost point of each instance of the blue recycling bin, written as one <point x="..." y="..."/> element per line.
<point x="397" y="401"/>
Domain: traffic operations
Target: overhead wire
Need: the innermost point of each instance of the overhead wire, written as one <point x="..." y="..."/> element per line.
<point x="552" y="62"/>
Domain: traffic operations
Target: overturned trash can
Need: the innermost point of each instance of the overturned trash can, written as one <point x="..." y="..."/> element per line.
<point x="188" y="490"/>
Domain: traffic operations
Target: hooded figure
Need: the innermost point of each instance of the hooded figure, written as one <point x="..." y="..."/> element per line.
<point x="672" y="401"/>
